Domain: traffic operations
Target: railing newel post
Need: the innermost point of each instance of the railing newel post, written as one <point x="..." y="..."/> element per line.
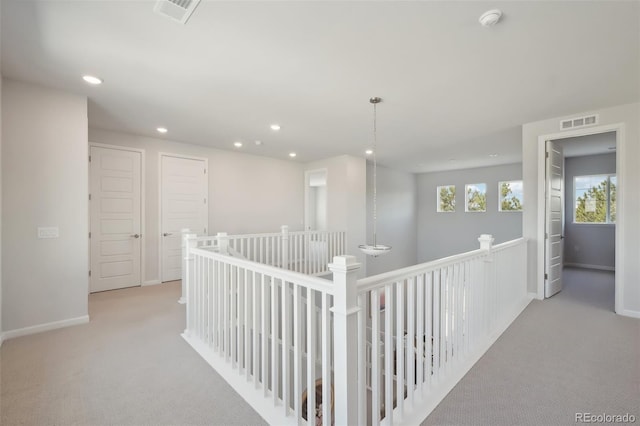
<point x="345" y="333"/>
<point x="189" y="277"/>
<point x="223" y="242"/>
<point x="183" y="296"/>
<point x="284" y="261"/>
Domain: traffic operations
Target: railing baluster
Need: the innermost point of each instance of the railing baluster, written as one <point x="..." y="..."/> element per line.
<point x="375" y="358"/>
<point x="233" y="336"/>
<point x="311" y="355"/>
<point x="412" y="340"/>
<point x="327" y="384"/>
<point x="256" y="315"/>
<point x="388" y="352"/>
<point x="401" y="343"/>
<point x="428" y="327"/>
<point x="265" y="335"/>
<point x="275" y="328"/>
<point x="421" y="335"/>
<point x="362" y="358"/>
<point x="437" y="303"/>
<point x="298" y="343"/>
<point x="285" y="311"/>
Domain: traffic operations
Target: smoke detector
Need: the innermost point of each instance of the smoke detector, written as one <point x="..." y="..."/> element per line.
<point x="490" y="17"/>
<point x="176" y="10"/>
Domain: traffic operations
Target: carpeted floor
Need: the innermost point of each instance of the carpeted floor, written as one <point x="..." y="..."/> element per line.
<point x="565" y="355"/>
<point x="129" y="366"/>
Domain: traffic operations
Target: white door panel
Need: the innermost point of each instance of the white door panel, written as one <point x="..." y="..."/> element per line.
<point x="184" y="189"/>
<point x="115" y="211"/>
<point x="554" y="219"/>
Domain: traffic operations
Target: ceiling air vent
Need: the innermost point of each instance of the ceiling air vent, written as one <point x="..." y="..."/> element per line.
<point x="577" y="122"/>
<point x="176" y="10"/>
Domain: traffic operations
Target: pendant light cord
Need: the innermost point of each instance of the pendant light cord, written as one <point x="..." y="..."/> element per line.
<point x="375" y="176"/>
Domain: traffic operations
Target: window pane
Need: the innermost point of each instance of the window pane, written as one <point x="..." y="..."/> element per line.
<point x="476" y="197"/>
<point x="613" y="186"/>
<point x="591" y="199"/>
<point x="446" y="198"/>
<point x="510" y="196"/>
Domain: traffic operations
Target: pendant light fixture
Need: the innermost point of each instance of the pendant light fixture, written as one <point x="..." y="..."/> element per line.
<point x="375" y="249"/>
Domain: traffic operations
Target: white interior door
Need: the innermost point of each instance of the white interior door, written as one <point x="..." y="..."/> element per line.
<point x="184" y="189"/>
<point x="115" y="216"/>
<point x="554" y="219"/>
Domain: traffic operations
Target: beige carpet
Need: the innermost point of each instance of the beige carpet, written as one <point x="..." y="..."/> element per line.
<point x="128" y="366"/>
<point x="561" y="356"/>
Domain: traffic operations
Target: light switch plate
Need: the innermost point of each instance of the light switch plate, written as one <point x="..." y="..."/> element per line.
<point x="48" y="232"/>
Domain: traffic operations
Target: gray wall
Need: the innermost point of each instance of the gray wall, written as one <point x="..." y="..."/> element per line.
<point x="397" y="219"/>
<point x="45" y="182"/>
<point x="446" y="234"/>
<point x="588" y="245"/>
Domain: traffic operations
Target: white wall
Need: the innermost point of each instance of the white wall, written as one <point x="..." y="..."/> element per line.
<point x="346" y="199"/>
<point x="44" y="183"/>
<point x="396" y="218"/>
<point x="628" y="156"/>
<point x="446" y="234"/>
<point x="247" y="193"/>
<point x="0" y="181"/>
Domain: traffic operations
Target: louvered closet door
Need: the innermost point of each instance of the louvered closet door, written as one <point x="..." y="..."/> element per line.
<point x="115" y="208"/>
<point x="184" y="191"/>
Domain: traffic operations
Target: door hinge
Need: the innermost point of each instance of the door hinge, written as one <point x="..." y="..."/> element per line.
<point x="89" y="197"/>
<point x="205" y="230"/>
<point x="205" y="171"/>
<point x="89" y="158"/>
<point x="89" y="272"/>
<point x="89" y="234"/>
<point x="546" y="277"/>
<point x="546" y="236"/>
<point x="546" y="154"/>
<point x="205" y="201"/>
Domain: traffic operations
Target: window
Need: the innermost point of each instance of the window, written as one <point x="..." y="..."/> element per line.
<point x="594" y="199"/>
<point x="476" y="200"/>
<point x="446" y="198"/>
<point x="510" y="199"/>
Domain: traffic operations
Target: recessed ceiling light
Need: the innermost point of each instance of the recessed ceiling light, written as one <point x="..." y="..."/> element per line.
<point x="92" y="80"/>
<point x="162" y="130"/>
<point x="490" y="17"/>
<point x="493" y="155"/>
<point x="258" y="143"/>
<point x="369" y="152"/>
<point x="237" y="144"/>
<point x="275" y="127"/>
<point x="292" y="154"/>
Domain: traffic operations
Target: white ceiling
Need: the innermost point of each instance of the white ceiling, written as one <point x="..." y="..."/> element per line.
<point x="454" y="92"/>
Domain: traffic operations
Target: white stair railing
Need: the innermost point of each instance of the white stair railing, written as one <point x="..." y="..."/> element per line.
<point x="375" y="348"/>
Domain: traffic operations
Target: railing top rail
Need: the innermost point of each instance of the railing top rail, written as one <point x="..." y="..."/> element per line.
<point x="376" y="281"/>
<point x="506" y="245"/>
<point x="315" y="232"/>
<point x="314" y="283"/>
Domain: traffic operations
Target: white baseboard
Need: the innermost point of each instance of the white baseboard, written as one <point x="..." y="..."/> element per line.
<point x="44" y="327"/>
<point x="151" y="282"/>
<point x="588" y="266"/>
<point x="630" y="313"/>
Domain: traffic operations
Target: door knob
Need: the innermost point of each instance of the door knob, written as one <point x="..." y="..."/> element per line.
<point x="166" y="234"/>
<point x="136" y="235"/>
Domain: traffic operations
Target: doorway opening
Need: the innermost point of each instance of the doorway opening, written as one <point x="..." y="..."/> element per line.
<point x="592" y="226"/>
<point x="315" y="208"/>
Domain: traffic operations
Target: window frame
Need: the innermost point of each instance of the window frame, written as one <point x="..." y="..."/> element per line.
<point x="607" y="221"/>
<point x="438" y="203"/>
<point x="466" y="198"/>
<point x="521" y="199"/>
